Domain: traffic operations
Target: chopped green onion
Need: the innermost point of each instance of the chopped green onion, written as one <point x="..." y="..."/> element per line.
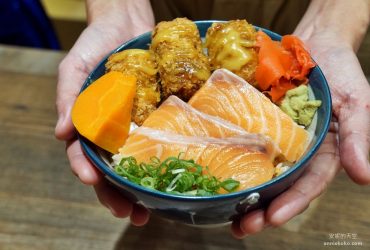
<point x="172" y="185"/>
<point x="230" y="185"/>
<point x="177" y="171"/>
<point x="173" y="175"/>
<point x="148" y="182"/>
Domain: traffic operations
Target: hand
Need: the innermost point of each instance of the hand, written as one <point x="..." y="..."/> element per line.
<point x="346" y="144"/>
<point x="351" y="103"/>
<point x="99" y="38"/>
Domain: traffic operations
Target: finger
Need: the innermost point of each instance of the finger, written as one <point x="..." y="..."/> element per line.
<point x="112" y="199"/>
<point x="310" y="185"/>
<point x="139" y="215"/>
<point x="354" y="134"/>
<point x="253" y="222"/>
<point x="80" y="165"/>
<point x="236" y="231"/>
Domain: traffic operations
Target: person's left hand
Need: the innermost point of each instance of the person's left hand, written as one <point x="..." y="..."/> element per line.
<point x="347" y="142"/>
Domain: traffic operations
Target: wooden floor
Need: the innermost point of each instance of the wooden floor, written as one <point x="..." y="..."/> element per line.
<point x="44" y="206"/>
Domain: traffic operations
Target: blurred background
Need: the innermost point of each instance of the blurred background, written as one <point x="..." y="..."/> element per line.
<point x="49" y="24"/>
<point x="68" y="17"/>
<point x="56" y="24"/>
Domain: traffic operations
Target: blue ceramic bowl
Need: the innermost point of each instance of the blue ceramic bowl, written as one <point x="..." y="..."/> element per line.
<point x="221" y="208"/>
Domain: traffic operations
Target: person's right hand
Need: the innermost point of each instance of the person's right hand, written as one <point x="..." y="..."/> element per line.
<point x="110" y="25"/>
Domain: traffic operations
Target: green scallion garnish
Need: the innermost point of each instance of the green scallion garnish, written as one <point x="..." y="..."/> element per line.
<point x="173" y="175"/>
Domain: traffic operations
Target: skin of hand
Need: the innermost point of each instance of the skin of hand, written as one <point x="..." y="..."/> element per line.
<point x="348" y="141"/>
<point x="110" y="24"/>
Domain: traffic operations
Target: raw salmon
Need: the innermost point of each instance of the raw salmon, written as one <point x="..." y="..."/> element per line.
<point x="245" y="160"/>
<point x="175" y="115"/>
<point x="231" y="98"/>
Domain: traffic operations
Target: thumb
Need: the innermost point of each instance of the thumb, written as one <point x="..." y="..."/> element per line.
<point x="72" y="73"/>
<point x="354" y="136"/>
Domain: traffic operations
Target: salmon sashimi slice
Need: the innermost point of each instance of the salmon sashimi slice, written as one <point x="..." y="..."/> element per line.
<point x="175" y="115"/>
<point x="231" y="98"/>
<point x="245" y="160"/>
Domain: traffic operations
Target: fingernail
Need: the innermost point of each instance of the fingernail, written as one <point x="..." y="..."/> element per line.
<point x="60" y="121"/>
<point x="111" y="209"/>
<point x="245" y="235"/>
<point x="240" y="236"/>
<point x="280" y="214"/>
<point x="75" y="174"/>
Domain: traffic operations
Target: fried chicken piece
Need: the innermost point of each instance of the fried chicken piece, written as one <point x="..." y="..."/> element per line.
<point x="232" y="45"/>
<point x="142" y="65"/>
<point x="182" y="66"/>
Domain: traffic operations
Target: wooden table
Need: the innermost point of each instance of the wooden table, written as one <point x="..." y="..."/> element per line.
<point x="44" y="206"/>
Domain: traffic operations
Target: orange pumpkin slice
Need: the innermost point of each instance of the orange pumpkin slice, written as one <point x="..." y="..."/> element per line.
<point x="102" y="113"/>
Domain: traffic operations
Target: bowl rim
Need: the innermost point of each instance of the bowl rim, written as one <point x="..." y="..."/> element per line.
<point x="121" y="181"/>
